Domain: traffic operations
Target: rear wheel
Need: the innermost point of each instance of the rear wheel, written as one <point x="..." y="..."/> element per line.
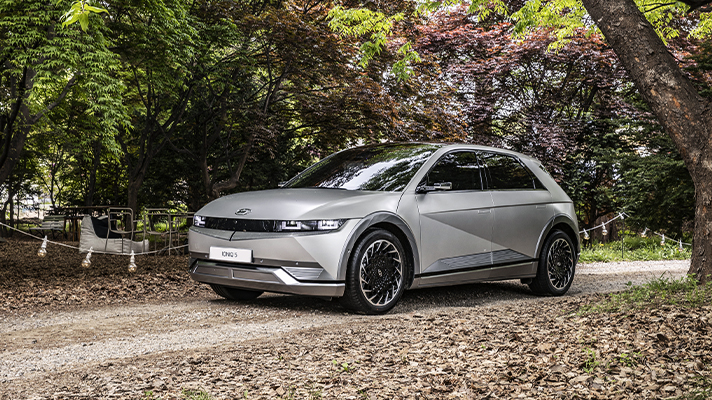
<point x="231" y="293"/>
<point x="557" y="264"/>
<point x="375" y="278"/>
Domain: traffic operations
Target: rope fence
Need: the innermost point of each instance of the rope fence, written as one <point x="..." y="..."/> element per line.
<point x="86" y="263"/>
<point x="622" y="216"/>
<point x="132" y="265"/>
<point x="93" y="251"/>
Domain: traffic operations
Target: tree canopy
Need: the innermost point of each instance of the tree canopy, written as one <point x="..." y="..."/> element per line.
<point x="638" y="31"/>
<point x="175" y="103"/>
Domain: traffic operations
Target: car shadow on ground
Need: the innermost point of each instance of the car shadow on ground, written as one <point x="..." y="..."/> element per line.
<point x="469" y="295"/>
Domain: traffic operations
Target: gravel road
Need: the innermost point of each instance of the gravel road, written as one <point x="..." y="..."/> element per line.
<point x="35" y="344"/>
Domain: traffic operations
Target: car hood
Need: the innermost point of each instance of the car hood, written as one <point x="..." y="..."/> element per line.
<point x="302" y="204"/>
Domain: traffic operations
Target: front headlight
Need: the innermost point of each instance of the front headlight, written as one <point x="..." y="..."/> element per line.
<point x="255" y="225"/>
<point x="198" y="221"/>
<point x="317" y="225"/>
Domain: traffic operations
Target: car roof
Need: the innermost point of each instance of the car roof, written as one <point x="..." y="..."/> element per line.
<point x="455" y="146"/>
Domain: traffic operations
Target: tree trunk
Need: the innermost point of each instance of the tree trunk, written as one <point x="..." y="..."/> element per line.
<point x="14" y="147"/>
<point x="684" y="114"/>
<point x="231" y="183"/>
<point x="3" y="217"/>
<point x="134" y="186"/>
<point x="14" y="136"/>
<point x="137" y="173"/>
<point x="96" y="161"/>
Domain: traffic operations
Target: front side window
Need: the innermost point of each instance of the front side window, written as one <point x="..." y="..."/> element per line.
<point x="388" y="167"/>
<point x="462" y="169"/>
<point x="506" y="172"/>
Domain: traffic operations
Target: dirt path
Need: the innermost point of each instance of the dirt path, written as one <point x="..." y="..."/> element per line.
<point x="46" y="350"/>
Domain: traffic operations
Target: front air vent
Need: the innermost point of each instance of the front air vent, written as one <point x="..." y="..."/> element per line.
<point x="304" y="274"/>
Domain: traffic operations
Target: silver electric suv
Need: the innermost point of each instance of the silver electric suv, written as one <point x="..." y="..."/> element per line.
<point x="366" y="223"/>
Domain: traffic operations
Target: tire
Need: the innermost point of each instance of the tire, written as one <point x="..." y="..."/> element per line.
<point x="557" y="265"/>
<point x="376" y="274"/>
<point x="231" y="293"/>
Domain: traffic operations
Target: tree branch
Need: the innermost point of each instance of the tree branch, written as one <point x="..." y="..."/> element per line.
<point x="658" y="5"/>
<point x="54" y="104"/>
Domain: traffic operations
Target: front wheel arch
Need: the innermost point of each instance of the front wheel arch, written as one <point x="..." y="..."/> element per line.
<point x="377" y="273"/>
<point x="407" y="247"/>
<point x="391" y="223"/>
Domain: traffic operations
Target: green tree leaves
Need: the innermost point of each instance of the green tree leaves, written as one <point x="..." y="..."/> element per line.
<point x="80" y="11"/>
<point x="45" y="65"/>
<point x="377" y="27"/>
<point x="564" y="18"/>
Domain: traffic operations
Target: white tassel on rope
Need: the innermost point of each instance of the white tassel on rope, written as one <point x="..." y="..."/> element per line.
<point x="645" y="233"/>
<point x="605" y="232"/>
<point x="42" y="252"/>
<point x="132" y="262"/>
<point x="87" y="261"/>
<point x="585" y="235"/>
<point x="662" y="241"/>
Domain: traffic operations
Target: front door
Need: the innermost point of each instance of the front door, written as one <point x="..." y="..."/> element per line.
<point x="455" y="222"/>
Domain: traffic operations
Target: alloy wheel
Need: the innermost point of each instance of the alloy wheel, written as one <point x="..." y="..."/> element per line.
<point x="560" y="263"/>
<point x="381" y="272"/>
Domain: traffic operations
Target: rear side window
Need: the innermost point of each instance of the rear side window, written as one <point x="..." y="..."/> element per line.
<point x="506" y="172"/>
<point x="462" y="169"/>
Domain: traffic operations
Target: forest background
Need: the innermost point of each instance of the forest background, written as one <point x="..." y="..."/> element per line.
<point x="175" y="103"/>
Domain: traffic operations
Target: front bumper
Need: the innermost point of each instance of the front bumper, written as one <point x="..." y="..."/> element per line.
<point x="302" y="263"/>
<point x="270" y="279"/>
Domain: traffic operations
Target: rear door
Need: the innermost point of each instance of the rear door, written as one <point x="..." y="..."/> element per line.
<point x="521" y="211"/>
<point x="456" y="223"/>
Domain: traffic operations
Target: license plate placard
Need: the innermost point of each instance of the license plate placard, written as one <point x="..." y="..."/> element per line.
<point x="230" y="254"/>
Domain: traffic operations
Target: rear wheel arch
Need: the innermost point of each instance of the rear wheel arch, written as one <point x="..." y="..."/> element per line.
<point x="569" y="231"/>
<point x="561" y="223"/>
<point x="556" y="267"/>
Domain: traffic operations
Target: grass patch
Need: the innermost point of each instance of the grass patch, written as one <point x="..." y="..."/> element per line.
<point x="189" y="394"/>
<point x="702" y="392"/>
<point x="196" y="395"/>
<point x="635" y="249"/>
<point x="685" y="292"/>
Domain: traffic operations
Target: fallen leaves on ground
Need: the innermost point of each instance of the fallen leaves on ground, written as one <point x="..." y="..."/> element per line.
<point x="526" y="349"/>
<point x="537" y="348"/>
<point x="58" y="280"/>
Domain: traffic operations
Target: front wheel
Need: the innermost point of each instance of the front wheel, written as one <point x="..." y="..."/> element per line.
<point x="557" y="264"/>
<point x="376" y="275"/>
<point x="231" y="293"/>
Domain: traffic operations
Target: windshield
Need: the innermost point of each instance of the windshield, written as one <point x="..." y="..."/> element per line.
<point x="386" y="167"/>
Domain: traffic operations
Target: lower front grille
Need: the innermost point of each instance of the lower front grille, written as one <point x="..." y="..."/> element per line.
<point x="249" y="274"/>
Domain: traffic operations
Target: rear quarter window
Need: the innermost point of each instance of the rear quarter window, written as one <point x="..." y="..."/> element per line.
<point x="508" y="173"/>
